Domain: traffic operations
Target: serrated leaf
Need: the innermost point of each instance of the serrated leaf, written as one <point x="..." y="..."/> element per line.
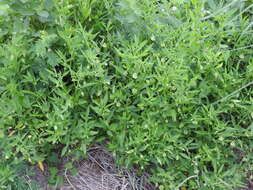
<point x="53" y="59"/>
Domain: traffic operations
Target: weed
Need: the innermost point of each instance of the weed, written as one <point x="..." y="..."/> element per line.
<point x="168" y="84"/>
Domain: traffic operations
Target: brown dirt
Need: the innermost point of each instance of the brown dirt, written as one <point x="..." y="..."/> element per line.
<point x="97" y="172"/>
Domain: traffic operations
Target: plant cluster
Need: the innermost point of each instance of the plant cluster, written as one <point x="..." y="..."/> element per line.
<point x="168" y="84"/>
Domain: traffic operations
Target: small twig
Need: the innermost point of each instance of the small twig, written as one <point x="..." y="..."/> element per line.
<point x="141" y="182"/>
<point x="233" y="93"/>
<point x="81" y="178"/>
<point x="96" y="162"/>
<point x="104" y="182"/>
<point x="131" y="179"/>
<point x="66" y="176"/>
<point x="95" y="148"/>
<point x="124" y="186"/>
<point x="187" y="179"/>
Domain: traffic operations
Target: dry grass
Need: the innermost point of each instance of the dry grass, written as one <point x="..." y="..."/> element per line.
<point x="97" y="172"/>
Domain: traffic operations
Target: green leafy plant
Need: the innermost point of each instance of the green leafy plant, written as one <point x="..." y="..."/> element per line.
<point x="167" y="84"/>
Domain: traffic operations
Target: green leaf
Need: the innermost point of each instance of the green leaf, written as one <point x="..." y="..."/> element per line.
<point x="53" y="59"/>
<point x="48" y="4"/>
<point x="53" y="171"/>
<point x="74" y="171"/>
<point x="20" y="8"/>
<point x="53" y="158"/>
<point x="64" y="150"/>
<point x="43" y="13"/>
<point x="69" y="165"/>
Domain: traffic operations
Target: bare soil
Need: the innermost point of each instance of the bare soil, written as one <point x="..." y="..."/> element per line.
<point x="97" y="172"/>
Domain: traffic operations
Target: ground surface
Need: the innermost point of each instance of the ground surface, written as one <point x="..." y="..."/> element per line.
<point x="167" y="84"/>
<point x="97" y="172"/>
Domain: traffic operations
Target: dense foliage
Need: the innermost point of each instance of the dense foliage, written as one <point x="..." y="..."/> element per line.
<point x="167" y="84"/>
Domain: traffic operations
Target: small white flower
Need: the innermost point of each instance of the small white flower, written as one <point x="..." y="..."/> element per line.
<point x="232" y="144"/>
<point x="241" y="56"/>
<point x="221" y="138"/>
<point x="152" y="38"/>
<point x="205" y="12"/>
<point x="163" y="60"/>
<point x="135" y="76"/>
<point x="174" y="8"/>
<point x="118" y="104"/>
